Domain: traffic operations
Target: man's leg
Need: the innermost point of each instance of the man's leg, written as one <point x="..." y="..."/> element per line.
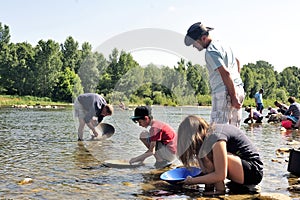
<point x="80" y="129"/>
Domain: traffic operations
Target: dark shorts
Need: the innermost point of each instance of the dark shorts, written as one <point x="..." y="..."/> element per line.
<point x="252" y="176"/>
<point x="259" y="107"/>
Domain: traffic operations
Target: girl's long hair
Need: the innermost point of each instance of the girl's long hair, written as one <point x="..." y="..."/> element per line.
<point x="191" y="133"/>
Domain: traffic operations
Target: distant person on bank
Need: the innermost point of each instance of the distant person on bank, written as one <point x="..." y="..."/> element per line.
<point x="90" y="109"/>
<point x="259" y="100"/>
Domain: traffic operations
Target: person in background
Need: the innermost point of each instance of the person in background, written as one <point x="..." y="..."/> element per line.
<point x="282" y="108"/>
<point x="224" y="72"/>
<point x="221" y="151"/>
<point x="297" y="125"/>
<point x="273" y="115"/>
<point x="253" y="115"/>
<point x="90" y="109"/>
<point x="122" y="105"/>
<point x="293" y="113"/>
<point x="160" y="140"/>
<point x="259" y="100"/>
<point x="271" y="111"/>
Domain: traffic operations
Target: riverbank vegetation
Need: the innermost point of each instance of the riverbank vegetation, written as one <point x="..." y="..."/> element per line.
<point x="60" y="72"/>
<point x="29" y="101"/>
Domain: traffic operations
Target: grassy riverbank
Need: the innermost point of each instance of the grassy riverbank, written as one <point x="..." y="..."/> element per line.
<point x="7" y="100"/>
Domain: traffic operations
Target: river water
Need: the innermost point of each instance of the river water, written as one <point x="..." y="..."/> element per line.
<point x="41" y="144"/>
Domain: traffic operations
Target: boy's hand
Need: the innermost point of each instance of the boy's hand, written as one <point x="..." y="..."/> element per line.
<point x="94" y="122"/>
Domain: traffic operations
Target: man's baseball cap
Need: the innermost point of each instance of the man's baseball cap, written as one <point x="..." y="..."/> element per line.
<point x="140" y="112"/>
<point x="194" y="32"/>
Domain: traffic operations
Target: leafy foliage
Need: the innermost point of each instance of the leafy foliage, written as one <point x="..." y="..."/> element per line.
<point x="63" y="71"/>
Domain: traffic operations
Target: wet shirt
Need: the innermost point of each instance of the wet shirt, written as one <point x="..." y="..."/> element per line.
<point x="93" y="104"/>
<point x="273" y="111"/>
<point x="256" y="115"/>
<point x="282" y="108"/>
<point x="294" y="110"/>
<point x="164" y="133"/>
<point x="237" y="143"/>
<point x="218" y="55"/>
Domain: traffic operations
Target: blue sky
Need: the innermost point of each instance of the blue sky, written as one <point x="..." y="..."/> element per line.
<point x="266" y="30"/>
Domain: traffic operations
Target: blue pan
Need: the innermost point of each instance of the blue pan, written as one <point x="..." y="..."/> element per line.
<point x="174" y="176"/>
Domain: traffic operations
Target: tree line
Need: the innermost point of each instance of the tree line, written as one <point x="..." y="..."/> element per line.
<point x="63" y="71"/>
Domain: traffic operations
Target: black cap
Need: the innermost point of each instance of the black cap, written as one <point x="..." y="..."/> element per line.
<point x="194" y="32"/>
<point x="140" y="112"/>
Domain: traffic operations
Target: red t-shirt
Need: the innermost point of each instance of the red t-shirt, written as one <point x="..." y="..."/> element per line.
<point x="162" y="132"/>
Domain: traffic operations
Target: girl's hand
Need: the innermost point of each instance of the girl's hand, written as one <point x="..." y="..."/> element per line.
<point x="188" y="180"/>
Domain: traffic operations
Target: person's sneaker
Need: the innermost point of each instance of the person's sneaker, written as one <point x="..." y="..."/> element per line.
<point x="162" y="164"/>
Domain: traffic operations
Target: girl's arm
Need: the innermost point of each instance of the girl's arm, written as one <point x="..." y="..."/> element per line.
<point x="220" y="166"/>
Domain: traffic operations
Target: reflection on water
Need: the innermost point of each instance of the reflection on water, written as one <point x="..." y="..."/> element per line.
<point x="41" y="144"/>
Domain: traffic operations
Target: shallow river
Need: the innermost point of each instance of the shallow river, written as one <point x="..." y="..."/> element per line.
<point x="41" y="144"/>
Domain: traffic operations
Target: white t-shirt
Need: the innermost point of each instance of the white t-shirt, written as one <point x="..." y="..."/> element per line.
<point x="217" y="55"/>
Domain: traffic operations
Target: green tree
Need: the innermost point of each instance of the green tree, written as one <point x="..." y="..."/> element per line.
<point x="203" y="88"/>
<point x="248" y="80"/>
<point x="5" y="57"/>
<point x="70" y="54"/>
<point x="88" y="71"/>
<point x="107" y="78"/>
<point x="197" y="76"/>
<point x="118" y="66"/>
<point x="68" y="86"/>
<point x="101" y="62"/>
<point x="4" y="35"/>
<point x="130" y="82"/>
<point x="193" y="77"/>
<point x="259" y="75"/>
<point x="289" y="78"/>
<point x="180" y="80"/>
<point x="48" y="64"/>
<point x="89" y="74"/>
<point x="23" y="72"/>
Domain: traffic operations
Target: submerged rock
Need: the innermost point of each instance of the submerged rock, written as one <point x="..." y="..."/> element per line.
<point x="25" y="181"/>
<point x="294" y="188"/>
<point x="272" y="196"/>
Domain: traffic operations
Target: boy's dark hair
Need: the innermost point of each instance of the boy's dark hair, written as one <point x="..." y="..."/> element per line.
<point x="291" y="100"/>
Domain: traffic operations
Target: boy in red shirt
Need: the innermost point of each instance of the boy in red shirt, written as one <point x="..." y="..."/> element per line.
<point x="160" y="140"/>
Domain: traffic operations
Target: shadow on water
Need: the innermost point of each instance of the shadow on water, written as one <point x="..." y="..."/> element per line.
<point x="42" y="145"/>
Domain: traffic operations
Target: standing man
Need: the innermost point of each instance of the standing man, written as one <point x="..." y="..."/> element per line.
<point x="87" y="106"/>
<point x="259" y="100"/>
<point x="224" y="75"/>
